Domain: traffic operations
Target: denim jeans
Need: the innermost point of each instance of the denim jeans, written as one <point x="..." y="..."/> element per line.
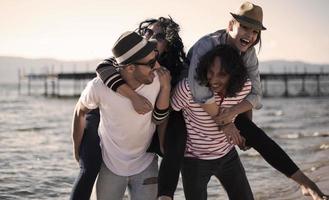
<point x="142" y="186"/>
<point x="263" y="144"/>
<point x="196" y="174"/>
<point x="90" y="159"/>
<point x="175" y="142"/>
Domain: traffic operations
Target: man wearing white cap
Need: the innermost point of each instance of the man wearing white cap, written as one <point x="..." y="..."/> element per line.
<point x="124" y="134"/>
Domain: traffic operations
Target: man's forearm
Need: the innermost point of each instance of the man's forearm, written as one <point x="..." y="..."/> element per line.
<point x="161" y="110"/>
<point x="163" y="98"/>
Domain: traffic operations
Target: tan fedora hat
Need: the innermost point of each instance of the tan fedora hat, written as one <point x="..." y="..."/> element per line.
<point x="250" y="15"/>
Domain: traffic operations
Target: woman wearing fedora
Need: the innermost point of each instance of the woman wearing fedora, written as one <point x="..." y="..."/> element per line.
<point x="243" y="33"/>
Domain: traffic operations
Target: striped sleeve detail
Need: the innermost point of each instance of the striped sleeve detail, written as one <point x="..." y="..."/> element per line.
<point x="160" y="114"/>
<point x="114" y="81"/>
<point x="109" y="74"/>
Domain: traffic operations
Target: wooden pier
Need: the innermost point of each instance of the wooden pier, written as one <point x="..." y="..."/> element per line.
<point x="52" y="83"/>
<point x="286" y="78"/>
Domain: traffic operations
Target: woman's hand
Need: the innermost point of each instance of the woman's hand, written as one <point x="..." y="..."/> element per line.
<point x="164" y="78"/>
<point x="141" y="104"/>
<point x="225" y="116"/>
<point x="233" y="135"/>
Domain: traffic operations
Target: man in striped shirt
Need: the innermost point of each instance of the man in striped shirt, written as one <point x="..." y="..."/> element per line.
<point x="208" y="151"/>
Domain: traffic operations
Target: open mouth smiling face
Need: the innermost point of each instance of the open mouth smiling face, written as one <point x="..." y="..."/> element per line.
<point x="243" y="37"/>
<point x="245" y="42"/>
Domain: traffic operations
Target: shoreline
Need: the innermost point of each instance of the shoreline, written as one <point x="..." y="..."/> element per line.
<point x="291" y="190"/>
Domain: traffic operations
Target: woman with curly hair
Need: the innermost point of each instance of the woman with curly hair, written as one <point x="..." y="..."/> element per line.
<point x="208" y="152"/>
<point x="244" y="33"/>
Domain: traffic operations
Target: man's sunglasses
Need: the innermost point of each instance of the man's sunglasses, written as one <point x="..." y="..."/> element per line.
<point x="151" y="63"/>
<point x="149" y="33"/>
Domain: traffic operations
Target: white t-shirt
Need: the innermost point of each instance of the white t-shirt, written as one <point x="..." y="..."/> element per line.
<point x="125" y="135"/>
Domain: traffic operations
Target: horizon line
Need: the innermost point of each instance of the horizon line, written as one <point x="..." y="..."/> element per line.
<point x="100" y="59"/>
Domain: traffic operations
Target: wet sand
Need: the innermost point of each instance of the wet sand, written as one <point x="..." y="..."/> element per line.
<point x="319" y="175"/>
<point x="290" y="190"/>
<point x="276" y="186"/>
<point x="293" y="192"/>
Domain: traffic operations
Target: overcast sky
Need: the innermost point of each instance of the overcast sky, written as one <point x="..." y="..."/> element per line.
<point x="81" y="29"/>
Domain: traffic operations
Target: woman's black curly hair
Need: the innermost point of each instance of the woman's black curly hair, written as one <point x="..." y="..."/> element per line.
<point x="231" y="63"/>
<point x="174" y="59"/>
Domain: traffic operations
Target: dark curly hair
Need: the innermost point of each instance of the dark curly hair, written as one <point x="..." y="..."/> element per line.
<point x="174" y="59"/>
<point x="231" y="63"/>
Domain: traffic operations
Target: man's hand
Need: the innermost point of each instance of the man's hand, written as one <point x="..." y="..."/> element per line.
<point x="141" y="104"/>
<point x="225" y="116"/>
<point x="164" y="78"/>
<point x="233" y="135"/>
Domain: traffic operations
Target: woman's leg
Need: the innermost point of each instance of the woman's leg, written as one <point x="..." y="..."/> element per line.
<point x="309" y="188"/>
<point x="232" y="176"/>
<point x="90" y="158"/>
<point x="175" y="142"/>
<point x="196" y="174"/>
<point x="268" y="149"/>
<point x="274" y="154"/>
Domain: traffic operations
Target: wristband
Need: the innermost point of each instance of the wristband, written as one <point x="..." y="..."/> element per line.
<point x="160" y="114"/>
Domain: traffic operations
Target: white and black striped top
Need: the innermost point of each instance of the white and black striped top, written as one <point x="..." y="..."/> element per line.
<point x="204" y="139"/>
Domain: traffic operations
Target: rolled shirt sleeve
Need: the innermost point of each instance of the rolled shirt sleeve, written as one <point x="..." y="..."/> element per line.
<point x="89" y="96"/>
<point x="251" y="63"/>
<point x="201" y="94"/>
<point x="109" y="74"/>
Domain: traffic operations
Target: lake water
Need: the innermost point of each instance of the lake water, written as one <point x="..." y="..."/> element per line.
<point x="36" y="159"/>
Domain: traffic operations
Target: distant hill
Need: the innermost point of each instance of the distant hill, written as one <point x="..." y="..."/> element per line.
<point x="9" y="66"/>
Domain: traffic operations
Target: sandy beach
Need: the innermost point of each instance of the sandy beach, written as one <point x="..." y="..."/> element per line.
<point x="289" y="190"/>
<point x="319" y="175"/>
